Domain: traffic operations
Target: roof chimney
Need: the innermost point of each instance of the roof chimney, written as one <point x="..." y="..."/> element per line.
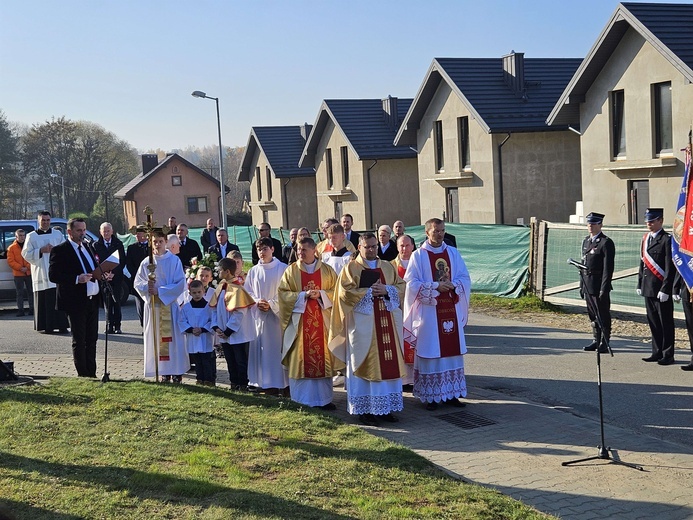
<point x="149" y="162"/>
<point x="305" y="131"/>
<point x="514" y="72"/>
<point x="390" y="112"/>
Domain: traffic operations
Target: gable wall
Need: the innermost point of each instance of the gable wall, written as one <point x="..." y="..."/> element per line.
<point x="634" y="67"/>
<point x="477" y="196"/>
<point x="167" y="200"/>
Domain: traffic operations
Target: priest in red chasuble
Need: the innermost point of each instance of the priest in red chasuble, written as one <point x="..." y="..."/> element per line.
<point x="435" y="312"/>
<point x="305" y="305"/>
<point x="366" y="333"/>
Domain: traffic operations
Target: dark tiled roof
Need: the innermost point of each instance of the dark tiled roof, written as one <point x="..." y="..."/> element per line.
<point x="364" y="126"/>
<point x="282" y="145"/>
<point x="480" y="84"/>
<point x="131" y="186"/>
<point x="667" y="27"/>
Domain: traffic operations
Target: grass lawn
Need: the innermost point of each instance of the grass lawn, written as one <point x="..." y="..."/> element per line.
<point x="82" y="449"/>
<point x="525" y="303"/>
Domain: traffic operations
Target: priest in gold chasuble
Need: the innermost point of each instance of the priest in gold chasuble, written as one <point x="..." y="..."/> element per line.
<point x="366" y="333"/>
<point x="305" y="301"/>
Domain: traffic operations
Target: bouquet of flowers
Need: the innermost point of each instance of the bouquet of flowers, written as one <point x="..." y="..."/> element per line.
<point x="208" y="260"/>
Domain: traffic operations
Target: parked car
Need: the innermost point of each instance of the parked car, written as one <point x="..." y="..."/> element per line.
<point x="7" y="229"/>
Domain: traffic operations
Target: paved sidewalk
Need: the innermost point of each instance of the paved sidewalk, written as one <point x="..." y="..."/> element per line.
<point x="514" y="445"/>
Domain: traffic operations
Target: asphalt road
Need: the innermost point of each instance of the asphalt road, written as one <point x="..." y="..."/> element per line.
<point x="520" y="359"/>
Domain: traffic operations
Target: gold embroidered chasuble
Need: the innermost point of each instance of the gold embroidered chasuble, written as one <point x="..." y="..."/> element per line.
<point x="304" y="349"/>
<point x="375" y="340"/>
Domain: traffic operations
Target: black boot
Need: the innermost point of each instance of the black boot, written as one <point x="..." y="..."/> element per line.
<point x="597" y="333"/>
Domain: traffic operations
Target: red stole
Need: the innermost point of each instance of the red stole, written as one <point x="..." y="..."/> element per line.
<point x="401" y="270"/>
<point x="385" y="336"/>
<point x="313" y="330"/>
<point x="409" y="351"/>
<point x="446" y="314"/>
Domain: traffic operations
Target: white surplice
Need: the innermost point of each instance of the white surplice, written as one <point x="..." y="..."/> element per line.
<point x="265" y="369"/>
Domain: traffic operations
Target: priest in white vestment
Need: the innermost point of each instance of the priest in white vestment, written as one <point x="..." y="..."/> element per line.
<point x="435" y="312"/>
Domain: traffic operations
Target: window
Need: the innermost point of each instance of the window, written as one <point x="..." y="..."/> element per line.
<point x="197" y="204"/>
<point x="259" y="183"/>
<point x="176" y="180"/>
<point x="265" y="216"/>
<point x="618" y="124"/>
<point x="463" y="131"/>
<point x="639" y="192"/>
<point x="268" y="173"/>
<point x="452" y="205"/>
<point x="345" y="165"/>
<point x="338" y="209"/>
<point x="662" y="115"/>
<point x="330" y="173"/>
<point x="438" y="141"/>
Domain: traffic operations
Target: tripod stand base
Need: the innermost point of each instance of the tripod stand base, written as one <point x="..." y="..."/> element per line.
<point x="603" y="455"/>
<point x="106" y="377"/>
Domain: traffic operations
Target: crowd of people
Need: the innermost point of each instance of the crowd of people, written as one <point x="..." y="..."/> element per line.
<point x="371" y="311"/>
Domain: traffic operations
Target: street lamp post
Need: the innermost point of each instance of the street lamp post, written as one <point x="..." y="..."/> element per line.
<point x="200" y="94"/>
<point x="62" y="182"/>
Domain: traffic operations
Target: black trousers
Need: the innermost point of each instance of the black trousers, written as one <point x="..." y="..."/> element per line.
<point x="84" y="324"/>
<point x="660" y="318"/>
<point x="115" y="316"/>
<point x="236" y="356"/>
<point x="604" y="307"/>
<point x="139" y="304"/>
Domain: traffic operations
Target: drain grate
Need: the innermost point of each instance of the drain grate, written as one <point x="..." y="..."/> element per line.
<point x="466" y="420"/>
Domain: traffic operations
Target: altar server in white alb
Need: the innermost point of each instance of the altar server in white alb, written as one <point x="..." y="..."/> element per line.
<point x="265" y="369"/>
<point x="161" y="313"/>
<point x="435" y="313"/>
<point x="196" y="323"/>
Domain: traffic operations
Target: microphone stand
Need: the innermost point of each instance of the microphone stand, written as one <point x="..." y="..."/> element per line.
<point x="603" y="451"/>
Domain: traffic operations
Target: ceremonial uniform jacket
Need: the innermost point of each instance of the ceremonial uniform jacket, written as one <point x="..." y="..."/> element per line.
<point x="598" y="256"/>
<point x="660" y="253"/>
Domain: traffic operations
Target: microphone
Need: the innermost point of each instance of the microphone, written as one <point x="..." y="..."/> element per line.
<point x="577" y="264"/>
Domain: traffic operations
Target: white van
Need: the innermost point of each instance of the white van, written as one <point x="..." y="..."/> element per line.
<point x="7" y="229"/>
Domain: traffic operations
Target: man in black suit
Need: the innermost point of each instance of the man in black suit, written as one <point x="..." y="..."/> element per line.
<point x="133" y="258"/>
<point x="352" y="236"/>
<point x="209" y="235"/>
<point x="598" y="252"/>
<point x="70" y="267"/>
<point x="264" y="231"/>
<point x="189" y="249"/>
<point x="655" y="284"/>
<point x="223" y="247"/>
<point x="289" y="248"/>
<point x="107" y="244"/>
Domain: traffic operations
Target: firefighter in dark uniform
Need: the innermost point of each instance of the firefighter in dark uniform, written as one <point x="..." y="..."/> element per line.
<point x="655" y="284"/>
<point x="598" y="253"/>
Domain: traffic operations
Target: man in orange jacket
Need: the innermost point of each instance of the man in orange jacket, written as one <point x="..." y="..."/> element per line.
<point x="21" y="269"/>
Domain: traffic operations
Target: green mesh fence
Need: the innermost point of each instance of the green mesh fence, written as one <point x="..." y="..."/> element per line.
<point x="564" y="241"/>
<point x="496" y="256"/>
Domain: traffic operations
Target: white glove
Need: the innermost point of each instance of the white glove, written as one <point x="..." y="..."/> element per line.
<point x="662" y="297"/>
<point x="639" y="292"/>
<point x="676" y="298"/>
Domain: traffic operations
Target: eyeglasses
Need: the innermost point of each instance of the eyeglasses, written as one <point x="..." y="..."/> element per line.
<point x="264" y="229"/>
